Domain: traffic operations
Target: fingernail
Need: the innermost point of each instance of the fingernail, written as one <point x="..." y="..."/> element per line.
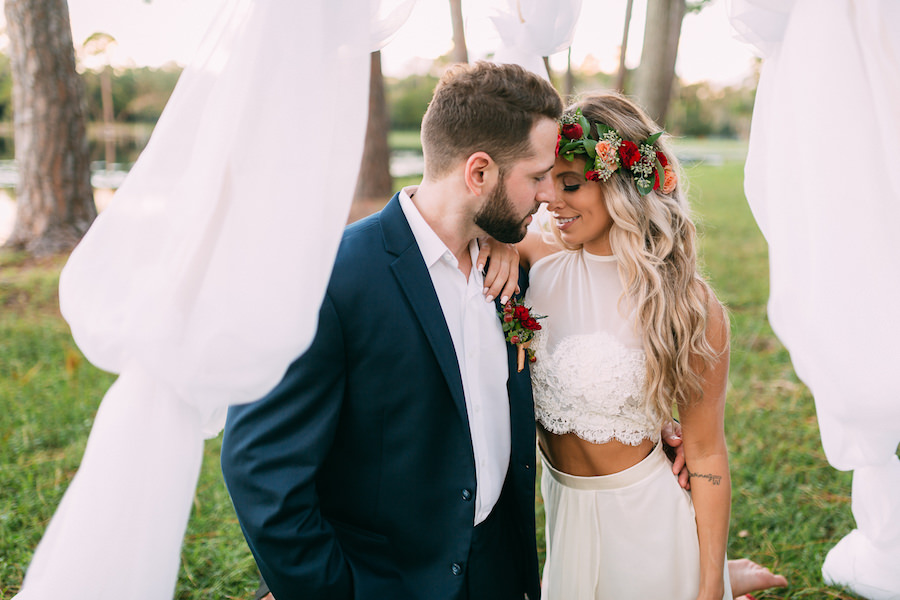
<point x="504" y="299"/>
<point x="481" y="269"/>
<point x="484" y="291"/>
<point x="489" y="298"/>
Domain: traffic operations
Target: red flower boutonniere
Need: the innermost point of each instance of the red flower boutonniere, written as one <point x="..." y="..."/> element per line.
<point x="519" y="325"/>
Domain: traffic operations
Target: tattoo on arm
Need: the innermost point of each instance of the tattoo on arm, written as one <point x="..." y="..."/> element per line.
<point x="713" y="479"/>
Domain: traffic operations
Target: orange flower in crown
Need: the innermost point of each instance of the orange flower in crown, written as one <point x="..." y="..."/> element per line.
<point x="670" y="180"/>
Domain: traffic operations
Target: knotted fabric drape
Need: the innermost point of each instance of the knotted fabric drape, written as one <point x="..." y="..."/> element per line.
<point x="532" y="29"/>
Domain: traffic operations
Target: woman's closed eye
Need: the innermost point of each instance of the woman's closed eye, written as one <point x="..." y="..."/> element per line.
<point x="574" y="187"/>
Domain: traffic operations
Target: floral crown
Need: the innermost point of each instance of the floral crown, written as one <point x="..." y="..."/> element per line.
<point x="605" y="155"/>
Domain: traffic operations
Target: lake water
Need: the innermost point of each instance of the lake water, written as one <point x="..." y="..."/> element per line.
<point x="130" y="141"/>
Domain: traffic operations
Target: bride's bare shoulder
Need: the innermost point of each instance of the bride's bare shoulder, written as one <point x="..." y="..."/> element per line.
<point x="536" y="246"/>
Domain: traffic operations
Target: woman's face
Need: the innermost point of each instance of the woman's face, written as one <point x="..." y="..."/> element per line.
<point x="579" y="209"/>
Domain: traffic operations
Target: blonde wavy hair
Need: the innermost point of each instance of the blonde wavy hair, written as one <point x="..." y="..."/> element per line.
<point x="654" y="241"/>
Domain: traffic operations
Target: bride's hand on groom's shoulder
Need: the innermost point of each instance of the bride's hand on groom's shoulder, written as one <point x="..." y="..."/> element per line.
<point x="672" y="444"/>
<point x="499" y="263"/>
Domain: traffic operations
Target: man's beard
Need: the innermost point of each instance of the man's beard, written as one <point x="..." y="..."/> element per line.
<point x="497" y="217"/>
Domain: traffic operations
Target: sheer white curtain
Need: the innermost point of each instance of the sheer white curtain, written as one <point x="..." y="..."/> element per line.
<point x="532" y="29"/>
<point x="202" y="280"/>
<point x="823" y="183"/>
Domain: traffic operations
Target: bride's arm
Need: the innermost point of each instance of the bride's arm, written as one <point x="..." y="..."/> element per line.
<point x="502" y="261"/>
<point x="502" y="276"/>
<point x="706" y="454"/>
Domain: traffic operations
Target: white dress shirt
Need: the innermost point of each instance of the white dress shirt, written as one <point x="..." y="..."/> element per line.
<point x="480" y="351"/>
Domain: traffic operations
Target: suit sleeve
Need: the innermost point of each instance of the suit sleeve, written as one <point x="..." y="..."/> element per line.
<point x="271" y="452"/>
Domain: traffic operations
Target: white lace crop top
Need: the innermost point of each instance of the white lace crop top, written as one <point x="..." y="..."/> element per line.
<point x="589" y="374"/>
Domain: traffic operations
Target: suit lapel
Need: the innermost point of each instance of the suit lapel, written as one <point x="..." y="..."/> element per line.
<point x="415" y="282"/>
<point x="521" y="401"/>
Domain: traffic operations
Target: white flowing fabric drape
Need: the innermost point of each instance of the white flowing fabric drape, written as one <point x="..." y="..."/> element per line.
<point x="202" y="280"/>
<point x="532" y="29"/>
<point x="823" y="181"/>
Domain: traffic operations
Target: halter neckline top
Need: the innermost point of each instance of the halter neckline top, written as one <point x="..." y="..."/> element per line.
<point x="589" y="375"/>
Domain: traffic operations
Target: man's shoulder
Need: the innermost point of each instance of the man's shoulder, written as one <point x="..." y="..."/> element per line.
<point x="363" y="239"/>
<point x="375" y="237"/>
<point x="364" y="231"/>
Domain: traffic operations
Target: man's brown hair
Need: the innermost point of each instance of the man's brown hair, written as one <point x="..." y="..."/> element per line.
<point x="484" y="107"/>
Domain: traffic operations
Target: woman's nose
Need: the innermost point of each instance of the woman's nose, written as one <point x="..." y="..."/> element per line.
<point x="554" y="202"/>
<point x="547" y="191"/>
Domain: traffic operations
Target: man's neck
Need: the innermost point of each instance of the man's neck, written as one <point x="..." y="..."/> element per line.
<point x="449" y="218"/>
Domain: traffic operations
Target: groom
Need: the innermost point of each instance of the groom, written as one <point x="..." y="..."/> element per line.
<point x="396" y="458"/>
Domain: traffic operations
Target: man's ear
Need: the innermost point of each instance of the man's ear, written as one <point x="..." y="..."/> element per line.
<point x="481" y="173"/>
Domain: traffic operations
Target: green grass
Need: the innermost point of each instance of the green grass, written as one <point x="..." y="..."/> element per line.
<point x="789" y="505"/>
<point x="49" y="395"/>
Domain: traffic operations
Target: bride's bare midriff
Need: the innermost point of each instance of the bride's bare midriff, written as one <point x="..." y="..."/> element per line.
<point x="571" y="454"/>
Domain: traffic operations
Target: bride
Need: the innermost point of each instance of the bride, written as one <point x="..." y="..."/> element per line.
<point x="632" y="331"/>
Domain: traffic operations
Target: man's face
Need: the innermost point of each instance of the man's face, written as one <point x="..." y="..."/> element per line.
<point x="507" y="211"/>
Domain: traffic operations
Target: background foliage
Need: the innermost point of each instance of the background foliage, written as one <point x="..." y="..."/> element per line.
<point x="139" y="95"/>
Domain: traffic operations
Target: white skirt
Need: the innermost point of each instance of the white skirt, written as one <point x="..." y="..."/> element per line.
<point x="628" y="535"/>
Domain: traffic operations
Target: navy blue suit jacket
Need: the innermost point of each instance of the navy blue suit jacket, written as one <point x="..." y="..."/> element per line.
<point x="355" y="476"/>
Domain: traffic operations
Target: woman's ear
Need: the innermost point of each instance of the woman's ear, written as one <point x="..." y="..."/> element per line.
<point x="481" y="173"/>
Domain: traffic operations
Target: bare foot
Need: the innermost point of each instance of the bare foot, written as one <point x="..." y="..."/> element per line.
<point x="747" y="576"/>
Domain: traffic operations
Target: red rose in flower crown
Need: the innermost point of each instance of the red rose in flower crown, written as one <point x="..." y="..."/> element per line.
<point x="629" y="153"/>
<point x="573" y="131"/>
<point x="662" y="159"/>
<point x="519" y="325"/>
<point x="592" y="176"/>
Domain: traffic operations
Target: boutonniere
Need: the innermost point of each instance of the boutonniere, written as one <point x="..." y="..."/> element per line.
<point x="519" y="325"/>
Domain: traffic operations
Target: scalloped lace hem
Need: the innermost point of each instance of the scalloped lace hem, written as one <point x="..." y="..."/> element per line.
<point x="596" y="435"/>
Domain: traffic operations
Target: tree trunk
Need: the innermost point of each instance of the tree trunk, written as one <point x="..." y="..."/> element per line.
<point x="460" y="53"/>
<point x="654" y="78"/>
<point x="620" y="74"/>
<point x="548" y="69"/>
<point x="570" y="77"/>
<point x="374" y="185"/>
<point x="109" y="117"/>
<point x="55" y="203"/>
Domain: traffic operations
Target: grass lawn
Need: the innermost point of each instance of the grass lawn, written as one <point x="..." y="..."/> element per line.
<point x="789" y="505"/>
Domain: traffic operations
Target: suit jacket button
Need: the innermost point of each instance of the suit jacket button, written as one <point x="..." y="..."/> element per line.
<point x="466" y="495"/>
<point x="456" y="569"/>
